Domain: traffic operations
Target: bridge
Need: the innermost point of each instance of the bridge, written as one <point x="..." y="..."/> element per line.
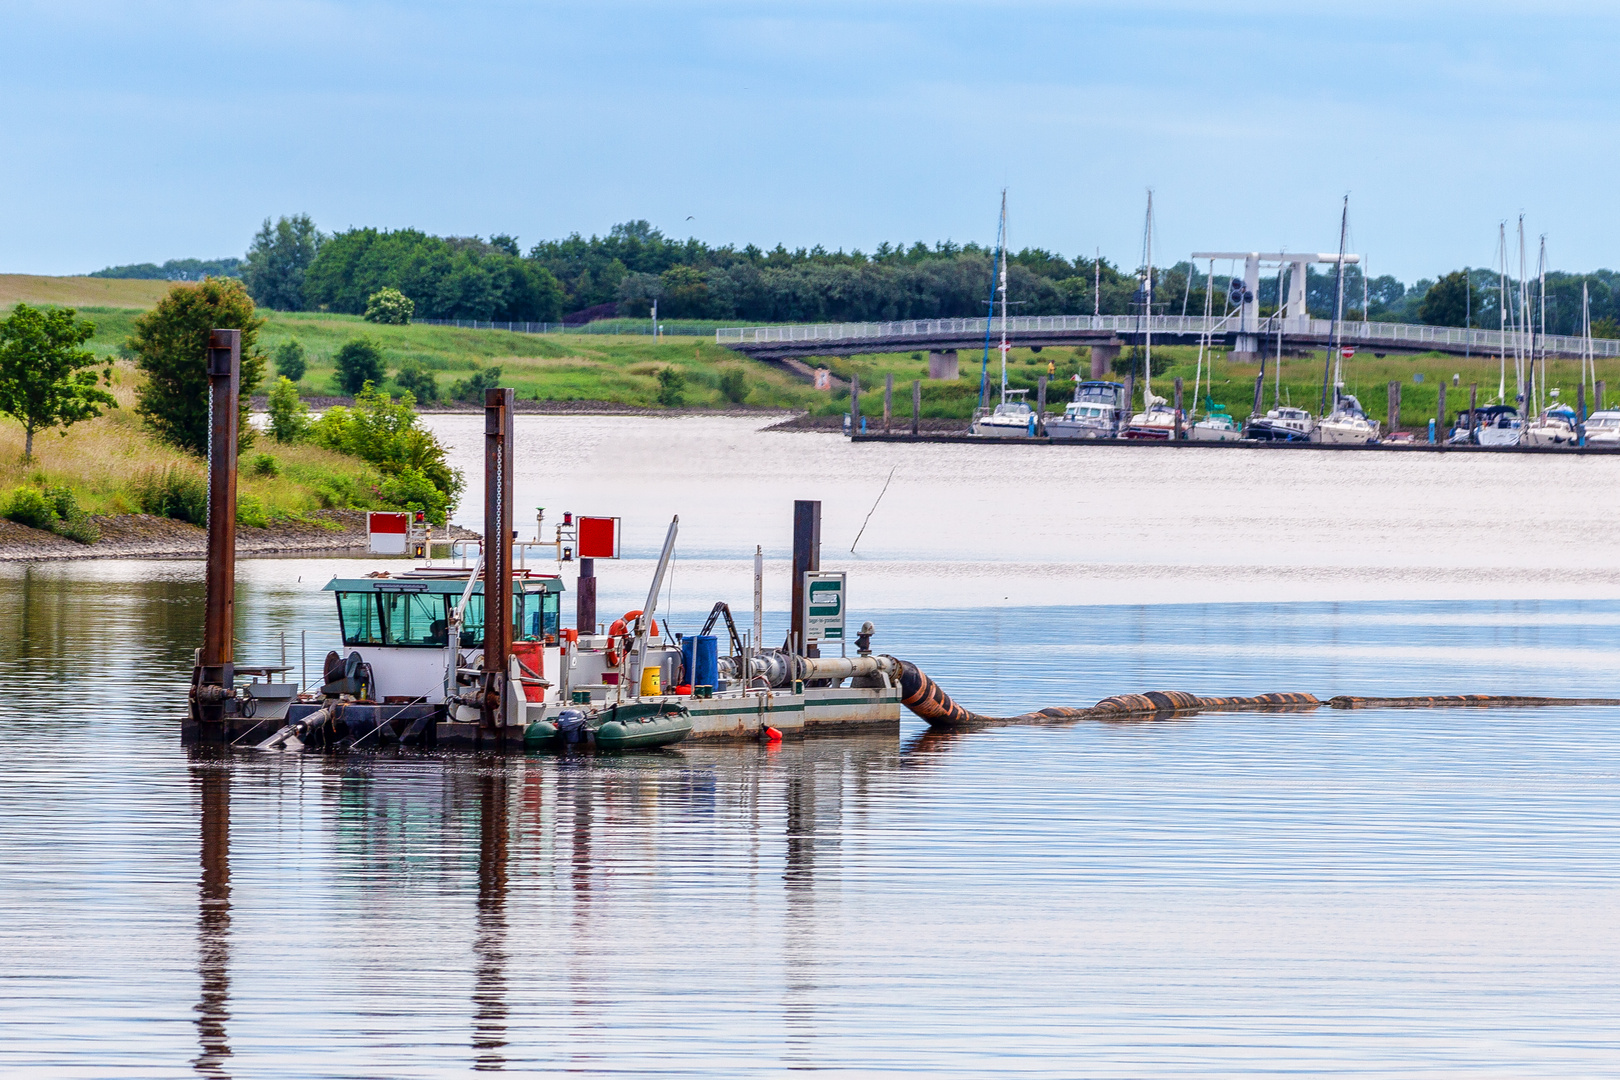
<point x="1106" y="333"/>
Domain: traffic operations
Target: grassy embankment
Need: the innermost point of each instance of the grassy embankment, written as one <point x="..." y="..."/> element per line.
<point x="106" y="462"/>
<point x="623" y="368"/>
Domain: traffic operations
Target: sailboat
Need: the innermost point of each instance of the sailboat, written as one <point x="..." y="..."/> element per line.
<point x="1348" y="423"/>
<point x="1012" y="416"/>
<point x="1158" y="419"/>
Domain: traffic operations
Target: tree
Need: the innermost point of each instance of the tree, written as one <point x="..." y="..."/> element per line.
<point x="289" y="416"/>
<point x="734" y="383"/>
<point x="384" y="432"/>
<point x="1447" y="302"/>
<point x="45" y="377"/>
<point x="415" y="379"/>
<point x="279" y="259"/>
<point x="170" y="344"/>
<point x="359" y="362"/>
<point x="389" y="306"/>
<point x="292" y="359"/>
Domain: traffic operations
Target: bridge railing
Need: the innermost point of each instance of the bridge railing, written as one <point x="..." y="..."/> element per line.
<point x="1352" y="333"/>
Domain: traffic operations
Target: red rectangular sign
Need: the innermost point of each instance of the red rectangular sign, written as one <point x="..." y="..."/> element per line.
<point x="384" y="522"/>
<point x="598" y="538"/>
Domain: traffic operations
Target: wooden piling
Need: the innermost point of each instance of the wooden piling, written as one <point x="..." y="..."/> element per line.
<point x="888" y="399"/>
<point x="1040" y="405"/>
<point x="1473" y="406"/>
<point x="1597" y="396"/>
<point x="1440" y="418"/>
<point x="1130" y="403"/>
<point x="1394" y="408"/>
<point x="1178" y="434"/>
<point x="854" y="404"/>
<point x="1580" y="414"/>
<point x="916" y="404"/>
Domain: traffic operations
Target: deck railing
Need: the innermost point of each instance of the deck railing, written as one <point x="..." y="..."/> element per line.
<point x="1486" y="342"/>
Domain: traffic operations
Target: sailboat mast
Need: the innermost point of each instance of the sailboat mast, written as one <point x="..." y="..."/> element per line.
<point x="1501" y="311"/>
<point x="1004" y="345"/>
<point x="1587" y="361"/>
<point x="1147" y="303"/>
<point x="1541" y="274"/>
<point x="1523" y="323"/>
<point x="1338" y="304"/>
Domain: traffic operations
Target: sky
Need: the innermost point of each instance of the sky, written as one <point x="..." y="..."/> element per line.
<point x="138" y="132"/>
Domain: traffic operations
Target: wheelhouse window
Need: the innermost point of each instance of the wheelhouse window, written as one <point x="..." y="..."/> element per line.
<point x="361" y="618"/>
<point x="414" y="620"/>
<point x="472" y="623"/>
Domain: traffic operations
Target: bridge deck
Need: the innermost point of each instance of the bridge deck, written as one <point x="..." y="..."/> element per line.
<point x="845" y="339"/>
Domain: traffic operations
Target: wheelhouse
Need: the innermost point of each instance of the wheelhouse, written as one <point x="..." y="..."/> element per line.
<point x="408" y="612"/>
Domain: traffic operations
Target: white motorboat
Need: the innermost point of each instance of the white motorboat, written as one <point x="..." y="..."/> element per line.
<point x="1556" y="426"/>
<point x="1157" y="421"/>
<point x="1012" y="417"/>
<point x="1095" y="413"/>
<point x="1217" y="426"/>
<point x="1603" y="428"/>
<point x="1285" y="423"/>
<point x="1347" y="425"/>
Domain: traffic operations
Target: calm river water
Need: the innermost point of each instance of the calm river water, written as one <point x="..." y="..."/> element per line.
<point x="1385" y="893"/>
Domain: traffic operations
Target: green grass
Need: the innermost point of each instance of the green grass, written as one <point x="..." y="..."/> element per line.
<point x="624" y="369"/>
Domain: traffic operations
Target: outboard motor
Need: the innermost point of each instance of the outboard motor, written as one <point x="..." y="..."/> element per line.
<point x="571" y="726"/>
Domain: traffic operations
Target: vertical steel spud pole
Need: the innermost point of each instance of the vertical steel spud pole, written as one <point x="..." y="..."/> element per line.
<point x="497" y="552"/>
<point x="214" y="677"/>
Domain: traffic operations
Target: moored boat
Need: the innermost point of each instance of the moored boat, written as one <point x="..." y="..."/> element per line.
<point x="1347" y="425"/>
<point x="1603" y="428"/>
<point x="1095" y="413"/>
<point x="1285" y="423"/>
<point x="1556" y="426"/>
<point x="1217" y="426"/>
<point x="1158" y="421"/>
<point x="1012" y="417"/>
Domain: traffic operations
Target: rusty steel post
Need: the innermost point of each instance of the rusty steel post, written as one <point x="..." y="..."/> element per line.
<point x="806" y="558"/>
<point x="497" y="554"/>
<point x="214" y="679"/>
<point x="888" y="400"/>
<point x="1179" y="434"/>
<point x="585" y="598"/>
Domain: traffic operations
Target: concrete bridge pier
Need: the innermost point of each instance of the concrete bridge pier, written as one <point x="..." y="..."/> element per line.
<point x="1102" y="358"/>
<point x="943" y="364"/>
<point x="1245" y="349"/>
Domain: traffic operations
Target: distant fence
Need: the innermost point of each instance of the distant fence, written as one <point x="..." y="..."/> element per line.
<point x="600" y="326"/>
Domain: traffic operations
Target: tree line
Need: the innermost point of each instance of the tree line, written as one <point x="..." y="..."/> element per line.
<point x="292" y="265"/>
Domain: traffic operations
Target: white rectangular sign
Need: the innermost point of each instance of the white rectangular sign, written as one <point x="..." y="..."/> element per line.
<point x="823" y="607"/>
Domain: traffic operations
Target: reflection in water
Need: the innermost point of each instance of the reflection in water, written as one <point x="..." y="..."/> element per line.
<point x="489" y="946"/>
<point x="213" y="781"/>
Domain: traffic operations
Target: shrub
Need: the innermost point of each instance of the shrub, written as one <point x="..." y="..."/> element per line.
<point x="72" y="522"/>
<point x="360" y="361"/>
<point x="30" y="506"/>
<point x="389" y="306"/>
<point x="383" y="431"/>
<point x="250" y="511"/>
<point x="415" y="379"/>
<point x="292" y="359"/>
<point x="733" y="384"/>
<point x="170" y="343"/>
<point x="263" y="465"/>
<point x="408" y="489"/>
<point x="473" y="386"/>
<point x="175" y="492"/>
<point x="289" y="416"/>
<point x="670" y="384"/>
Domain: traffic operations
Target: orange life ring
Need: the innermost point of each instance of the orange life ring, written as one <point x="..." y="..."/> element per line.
<point x="619" y="637"/>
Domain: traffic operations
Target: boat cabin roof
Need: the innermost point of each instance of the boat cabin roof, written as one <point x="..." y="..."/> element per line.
<point x="440" y="583"/>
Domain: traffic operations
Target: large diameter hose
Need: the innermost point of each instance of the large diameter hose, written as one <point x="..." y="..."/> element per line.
<point x="924" y="697"/>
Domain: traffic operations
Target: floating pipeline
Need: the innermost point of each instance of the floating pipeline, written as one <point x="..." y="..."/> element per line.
<point x="924" y="697"/>
<point x="1460" y="701"/>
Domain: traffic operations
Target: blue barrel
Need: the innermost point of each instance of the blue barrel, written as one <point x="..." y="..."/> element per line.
<point x="701" y="653"/>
